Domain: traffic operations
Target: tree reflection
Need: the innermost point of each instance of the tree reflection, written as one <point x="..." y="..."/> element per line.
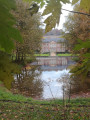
<point x="28" y="83"/>
<point x="72" y="85"/>
<point x="65" y="80"/>
<point x="79" y="85"/>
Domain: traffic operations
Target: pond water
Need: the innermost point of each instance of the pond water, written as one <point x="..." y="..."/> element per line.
<point x="45" y="80"/>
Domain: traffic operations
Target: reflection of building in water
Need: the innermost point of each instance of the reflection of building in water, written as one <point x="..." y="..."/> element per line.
<point x="54" y="62"/>
<point x="53" y="44"/>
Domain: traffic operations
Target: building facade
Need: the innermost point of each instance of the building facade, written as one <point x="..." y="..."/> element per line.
<point x="53" y="44"/>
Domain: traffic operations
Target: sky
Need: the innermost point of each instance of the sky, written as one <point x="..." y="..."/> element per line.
<point x="63" y="15"/>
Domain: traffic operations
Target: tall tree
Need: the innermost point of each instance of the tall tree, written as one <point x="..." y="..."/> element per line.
<point x="29" y="26"/>
<point x="78" y="36"/>
<point x="76" y="26"/>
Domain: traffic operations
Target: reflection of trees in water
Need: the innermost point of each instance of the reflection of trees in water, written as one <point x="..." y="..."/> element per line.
<point x="65" y="80"/>
<point x="79" y="85"/>
<point x="73" y="85"/>
<point x="28" y="83"/>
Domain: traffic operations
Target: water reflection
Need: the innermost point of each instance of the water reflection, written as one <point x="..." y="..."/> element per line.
<point x="28" y="83"/>
<point x="43" y="80"/>
<point x="66" y="83"/>
<point x="52" y="87"/>
<point x="54" y="63"/>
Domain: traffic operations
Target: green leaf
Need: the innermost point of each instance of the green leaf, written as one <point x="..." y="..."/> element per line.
<point x="42" y="4"/>
<point x="7" y="69"/>
<point x="53" y="7"/>
<point x="82" y="44"/>
<point x="8" y="33"/>
<point x="85" y="4"/>
<point x="87" y="55"/>
<point x="74" y="1"/>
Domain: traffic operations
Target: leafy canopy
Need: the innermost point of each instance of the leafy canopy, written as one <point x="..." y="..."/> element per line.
<point x="8" y="33"/>
<point x="53" y="7"/>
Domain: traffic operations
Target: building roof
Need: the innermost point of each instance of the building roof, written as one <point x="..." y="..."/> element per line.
<point x="48" y="39"/>
<point x="53" y="32"/>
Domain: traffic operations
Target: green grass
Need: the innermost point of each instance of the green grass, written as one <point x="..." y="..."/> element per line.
<point x="21" y="108"/>
<point x="64" y="54"/>
<point x="42" y="54"/>
<point x="7" y="95"/>
<point x="44" y="111"/>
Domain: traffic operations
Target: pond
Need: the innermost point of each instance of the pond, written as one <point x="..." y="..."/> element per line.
<point x="45" y="79"/>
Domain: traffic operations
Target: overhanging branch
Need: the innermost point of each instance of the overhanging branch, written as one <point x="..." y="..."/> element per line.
<point x="76" y="12"/>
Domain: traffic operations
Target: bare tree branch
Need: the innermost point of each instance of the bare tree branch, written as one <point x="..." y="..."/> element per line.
<point x="76" y="12"/>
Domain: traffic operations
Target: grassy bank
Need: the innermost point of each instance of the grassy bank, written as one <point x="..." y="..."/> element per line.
<point x="29" y="57"/>
<point x="65" y="54"/>
<point x="42" y="55"/>
<point x="18" y="107"/>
